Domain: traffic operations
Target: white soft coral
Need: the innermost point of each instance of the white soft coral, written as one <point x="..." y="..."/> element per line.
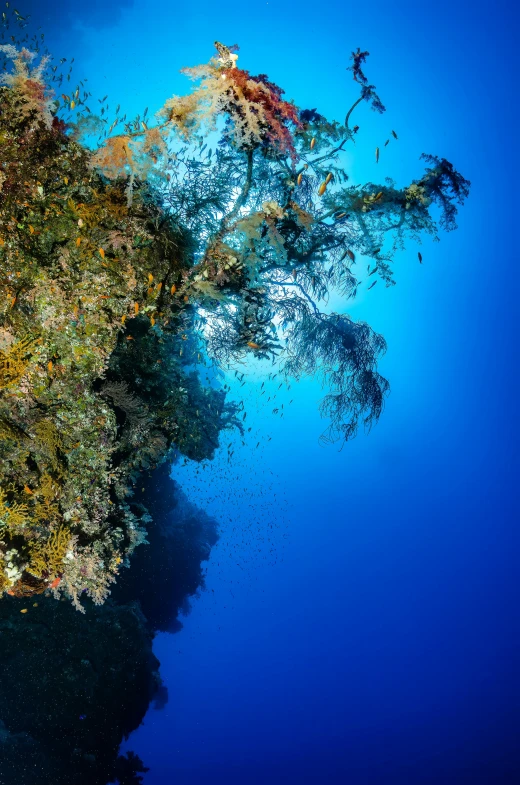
<point x="29" y="84"/>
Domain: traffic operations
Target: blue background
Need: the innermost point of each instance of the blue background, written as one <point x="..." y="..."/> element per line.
<point x="360" y="625"/>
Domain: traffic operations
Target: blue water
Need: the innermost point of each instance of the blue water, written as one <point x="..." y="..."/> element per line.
<point x="360" y="626"/>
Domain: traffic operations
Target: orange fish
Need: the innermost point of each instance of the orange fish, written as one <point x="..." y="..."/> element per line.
<point x="150" y="278"/>
<point x="136" y="308"/>
<point x="300" y="178"/>
<point x="152" y="321"/>
<point x="54" y="583"/>
<point x="313" y="142"/>
<point x="328" y="178"/>
<point x="23" y="610"/>
<point x="102" y="253"/>
<point x="173" y="289"/>
<point x="123" y="318"/>
<point x="253" y="345"/>
<point x="78" y="242"/>
<point x="150" y="291"/>
<point x="27" y="489"/>
<point x="322" y="189"/>
<point x="49" y="366"/>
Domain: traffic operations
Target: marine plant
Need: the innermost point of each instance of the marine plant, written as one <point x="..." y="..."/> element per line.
<point x="128" y="264"/>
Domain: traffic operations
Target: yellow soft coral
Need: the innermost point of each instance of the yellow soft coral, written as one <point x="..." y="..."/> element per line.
<point x="47" y="557"/>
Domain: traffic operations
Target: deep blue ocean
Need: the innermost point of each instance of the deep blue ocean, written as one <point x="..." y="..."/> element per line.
<point x="360" y="619"/>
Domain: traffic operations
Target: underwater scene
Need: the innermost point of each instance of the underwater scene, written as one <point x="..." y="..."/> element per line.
<point x="258" y="443"/>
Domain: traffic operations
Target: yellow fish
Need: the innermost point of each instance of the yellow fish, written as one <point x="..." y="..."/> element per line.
<point x="78" y="242"/>
<point x="72" y="104"/>
<point x="150" y="278"/>
<point x="24" y="610"/>
<point x="31" y="229"/>
<point x="328" y="178"/>
<point x="253" y="345"/>
<point x="152" y="320"/>
<point x="173" y="289"/>
<point x="322" y="189"/>
<point x="300" y="178"/>
<point x="313" y="142"/>
<point x="49" y="366"/>
<point x="102" y="253"/>
<point x="123" y="318"/>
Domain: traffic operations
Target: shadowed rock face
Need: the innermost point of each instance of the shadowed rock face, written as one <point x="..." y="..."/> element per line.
<point x="168" y="570"/>
<point x="73" y="685"/>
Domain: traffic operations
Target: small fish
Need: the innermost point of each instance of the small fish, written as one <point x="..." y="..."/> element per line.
<point x="23" y="610"/>
<point x="371" y="285"/>
<point x="173" y="289"/>
<point x="150" y="278"/>
<point x="129" y="338"/>
<point x="101" y="253"/>
<point x="419" y="256"/>
<point x="123" y="318"/>
<point x="136" y="308"/>
<point x="27" y="489"/>
<point x="355" y="129"/>
<point x="49" y="366"/>
<point x="378" y="196"/>
<point x="387" y="141"/>
<point x="35" y="604"/>
<point x="313" y="142"/>
<point x="394" y="135"/>
<point x="377" y="155"/>
<point x="351" y="255"/>
<point x="322" y="189"/>
<point x="253" y="345"/>
<point x="299" y="179"/>
<point x="78" y="242"/>
<point x="152" y="320"/>
<point x="31" y="229"/>
<point x="72" y="104"/>
<point x="54" y="583"/>
<point x="328" y="178"/>
<point x="340" y="216"/>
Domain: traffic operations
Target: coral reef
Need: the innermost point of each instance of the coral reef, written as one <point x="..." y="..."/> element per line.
<point x="130" y="262"/>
